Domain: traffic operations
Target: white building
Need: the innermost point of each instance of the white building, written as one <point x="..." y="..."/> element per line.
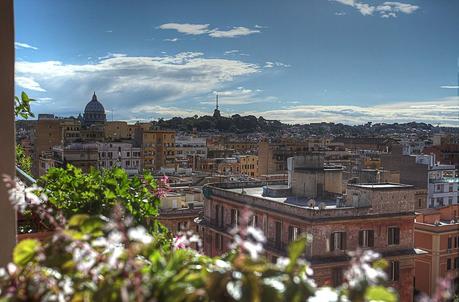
<point x="189" y="149"/>
<point x="122" y="155"/>
<point x="442" y="185"/>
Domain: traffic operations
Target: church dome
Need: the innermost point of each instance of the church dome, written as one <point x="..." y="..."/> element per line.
<point x="94" y="106"/>
<point x="94" y="112"/>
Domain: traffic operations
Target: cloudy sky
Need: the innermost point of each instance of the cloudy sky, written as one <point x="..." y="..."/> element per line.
<point x="298" y="61"/>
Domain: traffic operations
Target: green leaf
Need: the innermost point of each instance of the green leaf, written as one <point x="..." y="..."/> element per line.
<point x="25" y="251"/>
<point x="380" y="294"/>
<point x="296" y="248"/>
<point x="78" y="220"/>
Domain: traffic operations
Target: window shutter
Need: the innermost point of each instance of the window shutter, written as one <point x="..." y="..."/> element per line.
<point x="397" y="236"/>
<point x="371" y="238"/>
<point x="360" y="238"/>
<point x="290" y="233"/>
<point x="396" y="270"/>
<point x="332" y="242"/>
<point x="343" y="240"/>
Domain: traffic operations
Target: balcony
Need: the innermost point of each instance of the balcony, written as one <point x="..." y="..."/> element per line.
<point x="444" y="180"/>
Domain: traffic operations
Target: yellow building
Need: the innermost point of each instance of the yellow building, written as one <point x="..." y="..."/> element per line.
<point x="249" y="165"/>
<point x="158" y="148"/>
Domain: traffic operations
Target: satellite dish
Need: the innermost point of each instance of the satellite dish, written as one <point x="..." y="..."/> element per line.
<point x="311" y="203"/>
<point x="322" y="206"/>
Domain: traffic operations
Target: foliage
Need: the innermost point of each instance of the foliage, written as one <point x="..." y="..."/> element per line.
<point x="22" y="106"/>
<point x="22" y="109"/>
<point x="23" y="160"/>
<point x="97" y="192"/>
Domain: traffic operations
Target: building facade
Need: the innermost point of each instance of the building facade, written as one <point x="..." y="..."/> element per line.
<point x="158" y="148"/>
<point x="123" y="155"/>
<point x="437" y="232"/>
<point x="374" y="216"/>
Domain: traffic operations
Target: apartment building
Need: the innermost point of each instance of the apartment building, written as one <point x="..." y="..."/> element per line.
<point x="272" y="156"/>
<point x="374" y="216"/>
<point x="119" y="130"/>
<point x="423" y="171"/>
<point x="179" y="208"/>
<point x="81" y="155"/>
<point x="188" y="149"/>
<point x="437" y="232"/>
<point x="158" y="148"/>
<point x="123" y="155"/>
<point x="249" y="165"/>
<point x="48" y="135"/>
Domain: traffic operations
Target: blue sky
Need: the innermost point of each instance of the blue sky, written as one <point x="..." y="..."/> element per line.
<point x="299" y="61"/>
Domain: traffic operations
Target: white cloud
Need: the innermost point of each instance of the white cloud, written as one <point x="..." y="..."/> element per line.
<point x="127" y="82"/>
<point x="228" y="52"/>
<point x="232" y="33"/>
<point x="269" y="64"/>
<point x="203" y="29"/>
<point x="171" y="40"/>
<point x="238" y="96"/>
<point x="19" y="45"/>
<point x="387" y="9"/>
<point x="186" y="28"/>
<point x="109" y="31"/>
<point x="443" y="111"/>
<point x="28" y="83"/>
<point x="340" y="13"/>
<point x="450" y="86"/>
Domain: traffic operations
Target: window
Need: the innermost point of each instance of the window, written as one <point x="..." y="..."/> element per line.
<point x="394" y="271"/>
<point x="338" y="241"/>
<point x="450" y="243"/>
<point x="218" y="242"/>
<point x="253" y="221"/>
<point x="366" y="238"/>
<point x="293" y="233"/>
<point x="456" y="263"/>
<point x="234" y="217"/>
<point x="337" y="277"/>
<point x="278" y="239"/>
<point x="455" y="242"/>
<point x="393" y="235"/>
<point x="448" y="264"/>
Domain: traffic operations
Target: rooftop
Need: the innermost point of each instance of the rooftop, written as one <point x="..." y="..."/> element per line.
<point x="382" y="186"/>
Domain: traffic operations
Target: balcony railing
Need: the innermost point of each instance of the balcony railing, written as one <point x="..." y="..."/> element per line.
<point x="445" y="180"/>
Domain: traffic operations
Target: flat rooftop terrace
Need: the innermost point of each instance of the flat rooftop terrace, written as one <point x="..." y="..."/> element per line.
<point x="300" y="201"/>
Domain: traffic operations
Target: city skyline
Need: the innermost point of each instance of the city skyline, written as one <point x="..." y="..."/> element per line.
<point x="340" y="61"/>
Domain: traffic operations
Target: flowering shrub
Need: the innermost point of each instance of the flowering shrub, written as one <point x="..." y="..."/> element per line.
<point x="101" y="258"/>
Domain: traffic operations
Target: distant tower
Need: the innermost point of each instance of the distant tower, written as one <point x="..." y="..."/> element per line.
<point x="216" y="111"/>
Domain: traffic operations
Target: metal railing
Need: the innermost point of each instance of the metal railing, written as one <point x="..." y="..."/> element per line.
<point x="24" y="177"/>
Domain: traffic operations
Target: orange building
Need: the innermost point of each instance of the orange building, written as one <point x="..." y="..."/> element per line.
<point x="437" y="232"/>
<point x="158" y="148"/>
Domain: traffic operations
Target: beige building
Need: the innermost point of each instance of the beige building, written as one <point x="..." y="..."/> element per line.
<point x="48" y="135"/>
<point x="119" y="130"/>
<point x="158" y="148"/>
<point x="308" y="176"/>
<point x="272" y="156"/>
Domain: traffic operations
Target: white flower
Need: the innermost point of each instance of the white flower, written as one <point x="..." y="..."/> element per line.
<point x="324" y="294"/>
<point x="115" y="253"/>
<point x="139" y="234"/>
<point x="257" y="234"/>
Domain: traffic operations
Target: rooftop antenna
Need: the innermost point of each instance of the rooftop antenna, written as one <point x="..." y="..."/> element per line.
<point x="216" y="100"/>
